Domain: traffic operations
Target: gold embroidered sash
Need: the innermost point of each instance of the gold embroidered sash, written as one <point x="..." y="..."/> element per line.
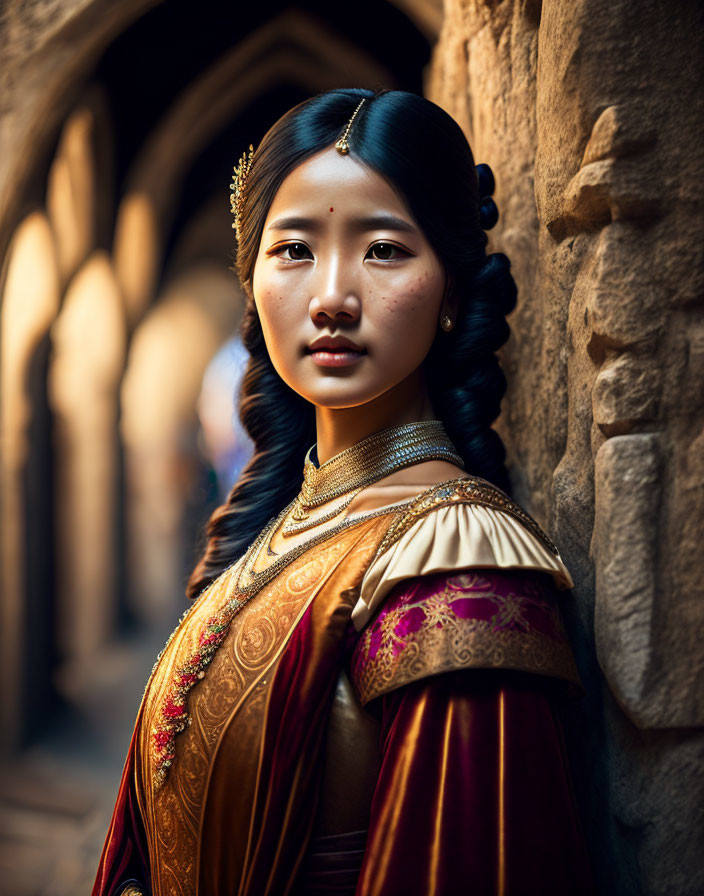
<point x="227" y="708"/>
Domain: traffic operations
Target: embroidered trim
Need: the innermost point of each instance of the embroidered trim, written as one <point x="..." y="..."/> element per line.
<point x="412" y="639"/>
<point x="471" y="490"/>
<point x="174" y="717"/>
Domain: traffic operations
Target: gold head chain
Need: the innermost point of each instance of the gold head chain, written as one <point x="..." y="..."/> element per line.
<point x="342" y="146"/>
<point x="241" y="170"/>
<point x="239" y="179"/>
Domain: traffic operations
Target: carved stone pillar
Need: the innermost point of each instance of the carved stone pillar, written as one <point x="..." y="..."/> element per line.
<point x="88" y="339"/>
<point x="29" y="303"/>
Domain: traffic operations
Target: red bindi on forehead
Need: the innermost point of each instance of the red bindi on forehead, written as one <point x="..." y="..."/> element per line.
<point x="332" y="209"/>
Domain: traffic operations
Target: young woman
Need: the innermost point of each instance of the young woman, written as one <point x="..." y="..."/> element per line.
<point x="362" y="697"/>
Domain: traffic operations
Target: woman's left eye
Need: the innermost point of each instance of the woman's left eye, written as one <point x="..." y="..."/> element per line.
<point x="385" y="252"/>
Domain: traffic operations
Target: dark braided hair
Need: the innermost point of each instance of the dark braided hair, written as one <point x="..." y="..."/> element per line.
<point x="423" y="153"/>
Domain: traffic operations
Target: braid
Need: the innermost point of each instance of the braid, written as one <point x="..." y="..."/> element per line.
<point x="465" y="378"/>
<point x="282" y="426"/>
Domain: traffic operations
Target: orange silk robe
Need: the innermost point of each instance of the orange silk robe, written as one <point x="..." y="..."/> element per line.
<point x="252" y="748"/>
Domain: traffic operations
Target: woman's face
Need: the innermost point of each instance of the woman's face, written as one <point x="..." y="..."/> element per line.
<point x="347" y="287"/>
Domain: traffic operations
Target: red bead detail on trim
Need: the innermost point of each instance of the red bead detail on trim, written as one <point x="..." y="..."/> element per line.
<point x="174" y="717"/>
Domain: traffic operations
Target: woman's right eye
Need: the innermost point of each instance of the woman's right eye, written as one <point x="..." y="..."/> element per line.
<point x="294" y="252"/>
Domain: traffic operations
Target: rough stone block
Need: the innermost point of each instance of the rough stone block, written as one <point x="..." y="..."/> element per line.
<point x="625" y="305"/>
<point x="626" y="393"/>
<point x="627" y="495"/>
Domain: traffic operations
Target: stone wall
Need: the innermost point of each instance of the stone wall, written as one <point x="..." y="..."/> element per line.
<point x="590" y="114"/>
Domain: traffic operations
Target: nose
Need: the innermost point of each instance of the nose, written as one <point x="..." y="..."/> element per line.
<point x="335" y="300"/>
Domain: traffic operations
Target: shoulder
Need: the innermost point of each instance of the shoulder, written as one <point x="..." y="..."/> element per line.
<point x="475" y="619"/>
<point x="460" y="495"/>
<point x="456" y="525"/>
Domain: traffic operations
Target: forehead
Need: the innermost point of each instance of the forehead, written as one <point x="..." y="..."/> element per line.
<point x="330" y="180"/>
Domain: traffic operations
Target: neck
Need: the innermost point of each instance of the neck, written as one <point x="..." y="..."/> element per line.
<point x="339" y="428"/>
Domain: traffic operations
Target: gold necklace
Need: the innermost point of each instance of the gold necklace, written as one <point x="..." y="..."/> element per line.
<point x="291" y="528"/>
<point x="362" y="464"/>
<point x="248" y="581"/>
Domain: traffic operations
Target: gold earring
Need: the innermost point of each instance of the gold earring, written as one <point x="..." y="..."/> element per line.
<point x="446" y="323"/>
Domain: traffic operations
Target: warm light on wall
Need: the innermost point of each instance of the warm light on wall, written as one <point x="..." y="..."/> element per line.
<point x="136" y="253"/>
<point x="169" y="353"/>
<point x="71" y="193"/>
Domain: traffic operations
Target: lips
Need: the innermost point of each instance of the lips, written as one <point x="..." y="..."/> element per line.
<point x="335" y="352"/>
<point x="334" y="344"/>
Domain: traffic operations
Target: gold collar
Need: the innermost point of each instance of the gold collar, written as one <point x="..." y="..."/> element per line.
<point x="364" y="463"/>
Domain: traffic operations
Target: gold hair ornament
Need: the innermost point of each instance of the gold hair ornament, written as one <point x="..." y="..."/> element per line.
<point x="342" y="146"/>
<point x="239" y="179"/>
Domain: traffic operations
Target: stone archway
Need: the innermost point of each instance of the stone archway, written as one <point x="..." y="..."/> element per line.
<point x="45" y="89"/>
<point x="45" y="60"/>
<point x="78" y="342"/>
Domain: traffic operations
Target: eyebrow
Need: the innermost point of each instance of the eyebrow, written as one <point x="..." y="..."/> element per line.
<point x="369" y="222"/>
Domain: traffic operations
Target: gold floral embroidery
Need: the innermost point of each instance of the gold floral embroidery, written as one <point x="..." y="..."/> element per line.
<point x="390" y="654"/>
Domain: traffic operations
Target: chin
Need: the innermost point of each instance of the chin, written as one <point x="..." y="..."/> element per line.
<point x="341" y="394"/>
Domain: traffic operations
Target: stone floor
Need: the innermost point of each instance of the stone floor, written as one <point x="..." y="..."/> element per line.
<point x="56" y="797"/>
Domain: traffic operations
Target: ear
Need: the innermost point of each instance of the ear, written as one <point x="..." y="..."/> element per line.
<point x="450" y="301"/>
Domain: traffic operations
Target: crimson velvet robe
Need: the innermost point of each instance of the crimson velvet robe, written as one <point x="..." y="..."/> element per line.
<point x="283" y="748"/>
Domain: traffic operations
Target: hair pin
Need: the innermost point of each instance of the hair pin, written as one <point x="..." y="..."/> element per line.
<point x="239" y="179"/>
<point x="342" y="145"/>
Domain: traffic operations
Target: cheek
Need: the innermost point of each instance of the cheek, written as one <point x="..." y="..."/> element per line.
<point x="277" y="325"/>
<point x="273" y="309"/>
<point x="411" y="306"/>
